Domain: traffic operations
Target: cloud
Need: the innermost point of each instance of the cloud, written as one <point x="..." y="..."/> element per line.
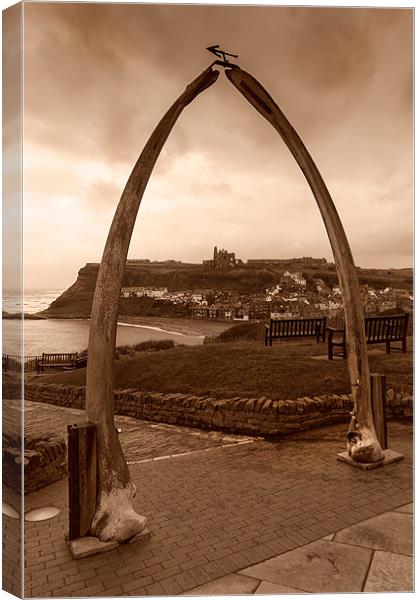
<point x="99" y="77"/>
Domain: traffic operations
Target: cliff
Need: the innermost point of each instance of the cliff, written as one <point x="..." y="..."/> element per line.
<point x="76" y="301"/>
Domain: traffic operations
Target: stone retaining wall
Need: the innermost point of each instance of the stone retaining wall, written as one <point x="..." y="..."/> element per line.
<point x="257" y="416"/>
<point x="45" y="461"/>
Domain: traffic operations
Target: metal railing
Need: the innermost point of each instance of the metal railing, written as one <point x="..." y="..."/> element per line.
<point x="12" y="362"/>
<point x="36" y="364"/>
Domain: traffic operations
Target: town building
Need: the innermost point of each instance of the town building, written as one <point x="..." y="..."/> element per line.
<point x="139" y="292"/>
<point x="295" y="278"/>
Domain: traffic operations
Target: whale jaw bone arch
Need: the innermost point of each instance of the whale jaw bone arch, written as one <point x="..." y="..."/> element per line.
<point x="115" y="517"/>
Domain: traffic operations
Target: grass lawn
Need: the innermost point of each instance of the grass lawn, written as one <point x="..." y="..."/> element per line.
<point x="287" y="370"/>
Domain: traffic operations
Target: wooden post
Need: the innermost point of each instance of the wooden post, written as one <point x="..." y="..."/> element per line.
<point x="82" y="462"/>
<point x="378" y="399"/>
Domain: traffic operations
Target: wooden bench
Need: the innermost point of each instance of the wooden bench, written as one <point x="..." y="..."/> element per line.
<point x="69" y="360"/>
<point x="81" y="362"/>
<point x="291" y="328"/>
<point x="378" y="330"/>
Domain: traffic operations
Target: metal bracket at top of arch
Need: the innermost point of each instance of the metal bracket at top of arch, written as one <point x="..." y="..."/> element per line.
<point x="222" y="54"/>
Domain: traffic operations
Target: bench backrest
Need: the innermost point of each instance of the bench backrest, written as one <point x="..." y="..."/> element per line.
<point x="59" y="358"/>
<point x="297" y="327"/>
<point x="389" y="327"/>
<point x="81" y="361"/>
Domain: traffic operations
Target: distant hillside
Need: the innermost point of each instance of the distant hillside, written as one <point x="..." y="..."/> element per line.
<point x="375" y="278"/>
<point x="76" y="301"/>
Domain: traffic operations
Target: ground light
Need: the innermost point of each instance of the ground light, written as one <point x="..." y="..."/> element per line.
<point x="9" y="511"/>
<point x="42" y="514"/>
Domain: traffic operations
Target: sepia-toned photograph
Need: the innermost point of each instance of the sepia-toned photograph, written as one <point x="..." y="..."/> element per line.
<point x="207" y="315"/>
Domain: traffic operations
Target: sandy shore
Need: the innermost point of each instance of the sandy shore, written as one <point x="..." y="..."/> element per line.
<point x="185" y="326"/>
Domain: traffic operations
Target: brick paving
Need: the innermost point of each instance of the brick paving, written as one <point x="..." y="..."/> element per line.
<point x="11" y="556"/>
<point x="217" y="511"/>
<point x="157" y="439"/>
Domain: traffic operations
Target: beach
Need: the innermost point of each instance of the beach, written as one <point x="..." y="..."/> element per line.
<point x="191" y="327"/>
<point x="71" y="335"/>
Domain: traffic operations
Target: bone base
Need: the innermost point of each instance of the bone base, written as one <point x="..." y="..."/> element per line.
<point x="390" y="457"/>
<point x="89" y="545"/>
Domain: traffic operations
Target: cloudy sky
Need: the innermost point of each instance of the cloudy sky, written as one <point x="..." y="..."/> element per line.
<point x="99" y="77"/>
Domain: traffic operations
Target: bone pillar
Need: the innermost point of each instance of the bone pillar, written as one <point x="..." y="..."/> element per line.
<point x="115" y="518"/>
<point x="365" y="446"/>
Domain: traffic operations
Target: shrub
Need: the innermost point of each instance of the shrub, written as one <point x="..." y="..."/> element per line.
<point x="154" y="345"/>
<point x="124" y="351"/>
<point x="148" y="346"/>
<point x="243" y="331"/>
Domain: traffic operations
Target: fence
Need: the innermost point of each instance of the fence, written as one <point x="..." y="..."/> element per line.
<point x="11" y="362"/>
<point x="36" y="364"/>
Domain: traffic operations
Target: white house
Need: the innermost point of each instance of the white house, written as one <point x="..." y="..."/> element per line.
<point x="297" y="277"/>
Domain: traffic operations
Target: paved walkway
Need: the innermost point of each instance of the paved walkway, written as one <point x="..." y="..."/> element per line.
<point x="141" y="440"/>
<point x="375" y="555"/>
<point x="221" y="507"/>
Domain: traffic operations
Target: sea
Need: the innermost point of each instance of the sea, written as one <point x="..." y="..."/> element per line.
<point x="68" y="335"/>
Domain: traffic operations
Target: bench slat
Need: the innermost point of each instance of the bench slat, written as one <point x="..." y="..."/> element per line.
<point x="285" y="328"/>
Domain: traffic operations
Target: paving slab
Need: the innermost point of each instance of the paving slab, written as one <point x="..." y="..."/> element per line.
<point x="390" y="572"/>
<point x="266" y="587"/>
<point x="317" y="567"/>
<point x="406" y="508"/>
<point x="390" y="457"/>
<point x="89" y="546"/>
<point x="229" y="585"/>
<point x="390" y="531"/>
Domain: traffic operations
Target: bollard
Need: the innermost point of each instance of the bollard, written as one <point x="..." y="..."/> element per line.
<point x="378" y="403"/>
<point x="82" y="463"/>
